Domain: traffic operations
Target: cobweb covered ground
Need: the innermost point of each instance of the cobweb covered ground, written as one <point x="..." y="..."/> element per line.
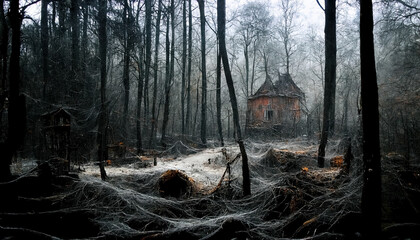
<point x="291" y="197"/>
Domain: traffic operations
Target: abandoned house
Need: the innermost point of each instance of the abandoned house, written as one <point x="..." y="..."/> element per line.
<point x="275" y="108"/>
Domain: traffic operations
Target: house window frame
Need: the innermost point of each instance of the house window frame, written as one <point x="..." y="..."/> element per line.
<point x="268" y="113"/>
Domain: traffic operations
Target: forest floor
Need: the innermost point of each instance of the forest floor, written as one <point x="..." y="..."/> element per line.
<point x="196" y="193"/>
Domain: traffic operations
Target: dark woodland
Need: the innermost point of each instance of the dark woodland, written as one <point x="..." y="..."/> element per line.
<point x="184" y="119"/>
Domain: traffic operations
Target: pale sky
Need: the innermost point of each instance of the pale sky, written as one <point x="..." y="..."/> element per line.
<point x="309" y="15"/>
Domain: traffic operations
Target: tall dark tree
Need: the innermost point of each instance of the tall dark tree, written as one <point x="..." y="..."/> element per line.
<point x="16" y="110"/>
<point x="140" y="66"/>
<point x="188" y="114"/>
<point x="219" y="97"/>
<point x="168" y="81"/>
<point x="155" y="75"/>
<point x="221" y="31"/>
<point x="88" y="79"/>
<point x="128" y="47"/>
<point x="4" y="40"/>
<point x="184" y="62"/>
<point x="103" y="114"/>
<point x="371" y="194"/>
<point x="172" y="75"/>
<point x="203" y="134"/>
<point x="44" y="45"/>
<point x="84" y="41"/>
<point x="75" y="37"/>
<point x="59" y="55"/>
<point x="148" y="26"/>
<point x="330" y="74"/>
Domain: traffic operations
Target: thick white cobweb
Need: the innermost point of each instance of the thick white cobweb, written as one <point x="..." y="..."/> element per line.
<point x="283" y="194"/>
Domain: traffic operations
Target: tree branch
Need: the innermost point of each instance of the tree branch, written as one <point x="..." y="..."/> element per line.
<point x="407" y="5"/>
<point x="23" y="8"/>
<point x="320" y="5"/>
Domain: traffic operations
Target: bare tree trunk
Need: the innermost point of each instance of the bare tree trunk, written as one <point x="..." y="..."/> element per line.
<point x="103" y="115"/>
<point x="4" y="42"/>
<point x="59" y="58"/>
<point x="330" y="70"/>
<point x="221" y="23"/>
<point x="155" y="74"/>
<point x="148" y="26"/>
<point x="218" y="97"/>
<point x="167" y="85"/>
<point x="184" y="62"/>
<point x="371" y="194"/>
<point x="197" y="101"/>
<point x="188" y="117"/>
<point x="228" y="135"/>
<point x="246" y="55"/>
<point x="254" y="58"/>
<point x="4" y="35"/>
<point x="17" y="111"/>
<point x="203" y="134"/>
<point x="128" y="44"/>
<point x="139" y="87"/>
<point x="172" y="74"/>
<point x="44" y="46"/>
<point x="88" y="86"/>
<point x="75" y="35"/>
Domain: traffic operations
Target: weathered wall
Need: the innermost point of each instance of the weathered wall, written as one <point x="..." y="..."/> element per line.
<point x="285" y="111"/>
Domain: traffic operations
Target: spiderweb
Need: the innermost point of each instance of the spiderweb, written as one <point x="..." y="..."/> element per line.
<point x="287" y="200"/>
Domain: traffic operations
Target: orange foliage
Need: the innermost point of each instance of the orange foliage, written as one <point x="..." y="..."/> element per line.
<point x="337" y="161"/>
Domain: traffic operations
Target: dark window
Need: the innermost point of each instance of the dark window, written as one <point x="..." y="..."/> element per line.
<point x="268" y="115"/>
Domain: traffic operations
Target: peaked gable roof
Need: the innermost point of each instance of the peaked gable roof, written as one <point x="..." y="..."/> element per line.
<point x="284" y="86"/>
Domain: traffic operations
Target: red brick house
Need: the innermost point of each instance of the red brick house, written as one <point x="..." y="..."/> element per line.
<point x="275" y="107"/>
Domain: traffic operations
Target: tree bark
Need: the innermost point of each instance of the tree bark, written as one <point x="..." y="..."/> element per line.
<point x="172" y="73"/>
<point x="155" y="76"/>
<point x="148" y="26"/>
<point x="254" y="58"/>
<point x="167" y="85"/>
<point x="221" y="30"/>
<point x="103" y="114"/>
<point x="187" y="116"/>
<point x="44" y="46"/>
<point x="197" y="102"/>
<point x="4" y="42"/>
<point x="139" y="89"/>
<point x="330" y="71"/>
<point x="246" y="55"/>
<point x="218" y="97"/>
<point x="16" y="110"/>
<point x="203" y="134"/>
<point x="128" y="47"/>
<point x="61" y="71"/>
<point x="4" y="35"/>
<point x="371" y="194"/>
<point x="184" y="63"/>
<point x="75" y="35"/>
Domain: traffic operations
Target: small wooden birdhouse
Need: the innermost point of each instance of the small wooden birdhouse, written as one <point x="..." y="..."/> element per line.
<point x="56" y="137"/>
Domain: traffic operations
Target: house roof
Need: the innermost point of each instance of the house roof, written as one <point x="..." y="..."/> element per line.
<point x="284" y="86"/>
<point x="58" y="111"/>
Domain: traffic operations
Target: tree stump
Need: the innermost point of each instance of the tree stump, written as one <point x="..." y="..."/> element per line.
<point x="174" y="183"/>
